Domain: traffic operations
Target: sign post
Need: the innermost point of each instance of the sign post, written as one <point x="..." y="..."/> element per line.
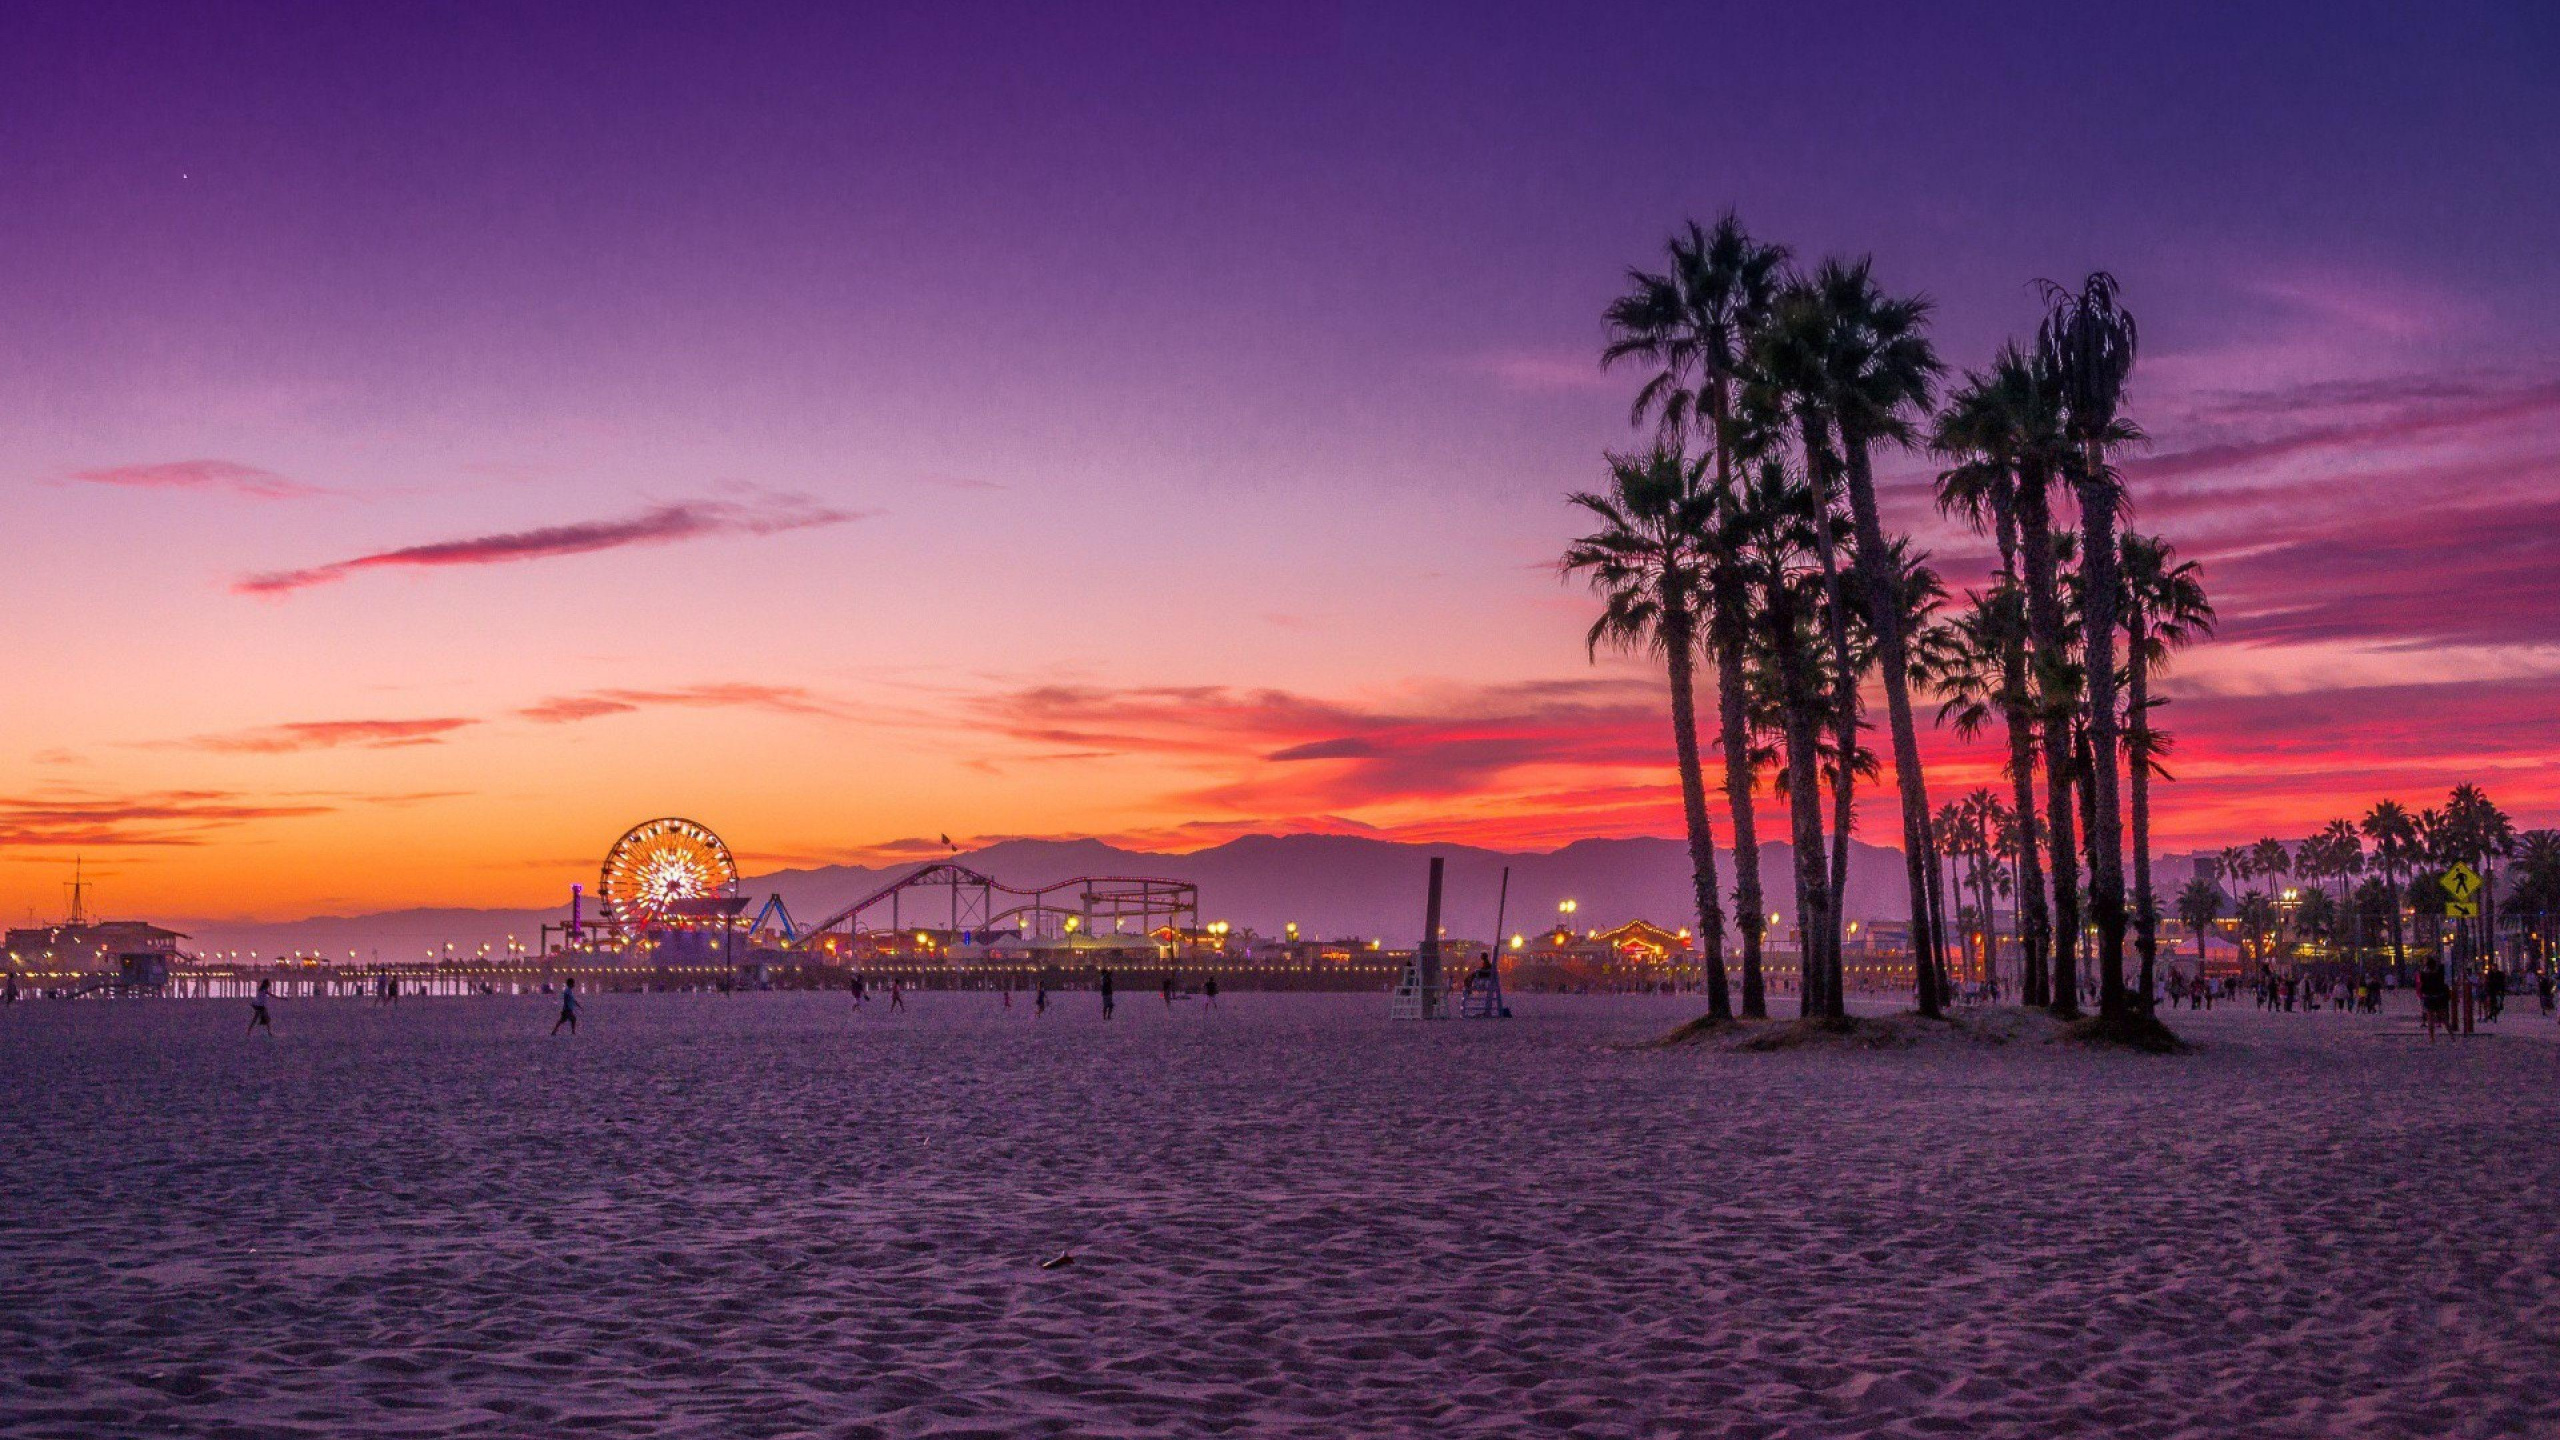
<point x="2461" y="906"/>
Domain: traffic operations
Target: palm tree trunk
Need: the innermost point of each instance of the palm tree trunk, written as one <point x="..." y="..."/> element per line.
<point x="1817" y="992"/>
<point x="2399" y="893"/>
<point x="2034" y="923"/>
<point x="1844" y="721"/>
<point x="1942" y="938"/>
<point x="1884" y="617"/>
<point x="2099" y="568"/>
<point x="2052" y="660"/>
<point x="2146" y="909"/>
<point x="1733" y="706"/>
<point x="1680" y="641"/>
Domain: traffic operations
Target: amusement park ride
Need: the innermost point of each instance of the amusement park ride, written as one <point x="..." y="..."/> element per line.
<point x="670" y="888"/>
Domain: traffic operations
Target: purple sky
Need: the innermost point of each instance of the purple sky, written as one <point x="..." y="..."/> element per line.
<point x="933" y="366"/>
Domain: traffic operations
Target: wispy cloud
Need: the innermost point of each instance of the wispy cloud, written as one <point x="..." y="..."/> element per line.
<point x="1275" y="752"/>
<point x="660" y="525"/>
<point x="2334" y="418"/>
<point x="228" y="475"/>
<point x="1544" y="372"/>
<point x="160" y="818"/>
<point x="301" y="735"/>
<point x="591" y="704"/>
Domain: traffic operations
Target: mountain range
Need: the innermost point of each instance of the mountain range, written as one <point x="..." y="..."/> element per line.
<point x="1330" y="885"/>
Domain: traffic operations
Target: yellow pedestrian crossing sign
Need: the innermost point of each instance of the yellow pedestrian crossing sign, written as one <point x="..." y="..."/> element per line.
<point x="2462" y="882"/>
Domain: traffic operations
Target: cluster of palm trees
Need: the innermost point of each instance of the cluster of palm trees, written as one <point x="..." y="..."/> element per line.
<point x="2402" y="856"/>
<point x="1747" y="534"/>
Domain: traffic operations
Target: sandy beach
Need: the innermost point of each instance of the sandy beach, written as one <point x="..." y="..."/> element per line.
<point x="772" y="1215"/>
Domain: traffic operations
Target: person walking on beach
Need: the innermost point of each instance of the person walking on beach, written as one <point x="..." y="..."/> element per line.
<point x="1040" y="999"/>
<point x="1107" y="998"/>
<point x="568" y="1007"/>
<point x="1209" y="993"/>
<point x="2435" y="999"/>
<point x="897" y="996"/>
<point x="1168" y="989"/>
<point x="258" y="1017"/>
<point x="2542" y="987"/>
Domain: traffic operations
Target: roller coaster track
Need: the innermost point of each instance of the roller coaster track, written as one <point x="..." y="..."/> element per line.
<point x="970" y="898"/>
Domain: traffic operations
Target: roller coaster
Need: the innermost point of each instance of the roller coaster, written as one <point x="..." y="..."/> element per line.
<point x="965" y="902"/>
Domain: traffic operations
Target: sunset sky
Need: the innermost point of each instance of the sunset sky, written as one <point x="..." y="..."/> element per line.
<point x="437" y="438"/>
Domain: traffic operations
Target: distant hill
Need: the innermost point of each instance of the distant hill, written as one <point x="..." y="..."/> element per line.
<point x="1331" y="885"/>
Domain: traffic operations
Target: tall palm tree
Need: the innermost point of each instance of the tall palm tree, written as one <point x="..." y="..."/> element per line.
<point x="1643" y="563"/>
<point x="1695" y="322"/>
<point x="1983" y="429"/>
<point x="2165" y="610"/>
<point x="1788" y="653"/>
<point x="2031" y="397"/>
<point x="2395" y="847"/>
<point x="1873" y="370"/>
<point x="2088" y="340"/>
<point x="1789" y="364"/>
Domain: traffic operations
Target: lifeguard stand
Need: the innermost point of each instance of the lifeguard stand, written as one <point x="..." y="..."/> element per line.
<point x="1481" y="998"/>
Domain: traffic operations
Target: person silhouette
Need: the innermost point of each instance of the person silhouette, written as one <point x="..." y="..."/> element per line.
<point x="568" y="1007"/>
<point x="1108" y="1001"/>
<point x="258" y="1017"/>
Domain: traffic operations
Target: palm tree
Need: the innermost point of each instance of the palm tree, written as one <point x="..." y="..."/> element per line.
<point x="1971" y="662"/>
<point x="1984" y="824"/>
<point x="1695" y="322"/>
<point x="1872" y="368"/>
<point x="2088" y="340"/>
<point x="2258" y="916"/>
<point x="2536" y="892"/>
<point x="1787" y="653"/>
<point x="1951" y="837"/>
<point x="2031" y="399"/>
<point x="2483" y="836"/>
<point x="2235" y="864"/>
<point x="2165" y="611"/>
<point x="2199" y="905"/>
<point x="1790" y="364"/>
<point x="2395" y="848"/>
<point x="2341" y="857"/>
<point x="2270" y="859"/>
<point x="1982" y="428"/>
<point x="1643" y="563"/>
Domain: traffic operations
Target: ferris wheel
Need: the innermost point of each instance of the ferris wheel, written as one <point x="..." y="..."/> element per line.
<point x="658" y="864"/>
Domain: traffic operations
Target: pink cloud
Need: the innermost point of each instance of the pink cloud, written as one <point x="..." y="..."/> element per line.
<point x="661" y="525"/>
<point x="169" y="817"/>
<point x="1543" y="372"/>
<point x="1278" y="752"/>
<point x="592" y="704"/>
<point x="228" y="475"/>
<point x="329" y="735"/>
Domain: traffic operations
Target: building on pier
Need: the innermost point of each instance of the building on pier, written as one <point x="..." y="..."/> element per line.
<point x="92" y="947"/>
